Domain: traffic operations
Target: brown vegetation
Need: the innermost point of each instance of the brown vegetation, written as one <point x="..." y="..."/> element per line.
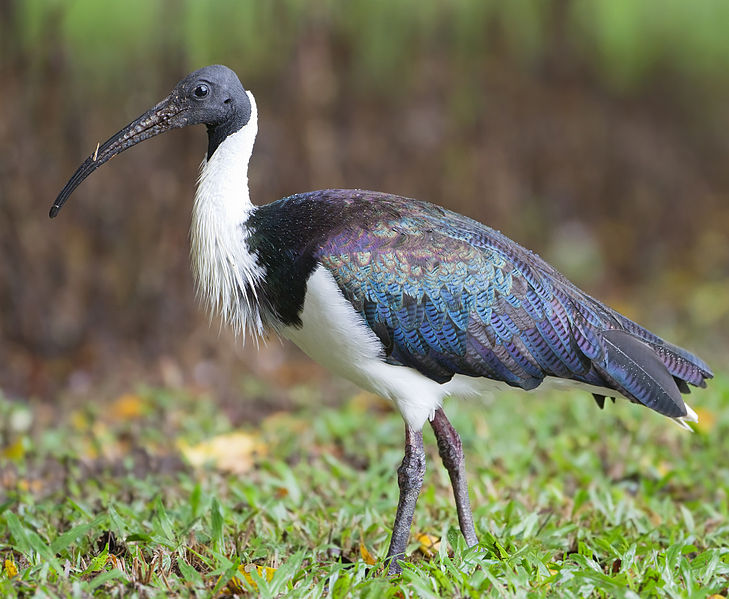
<point x="622" y="183"/>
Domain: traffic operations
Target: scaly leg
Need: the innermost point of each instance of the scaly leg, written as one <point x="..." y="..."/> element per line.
<point x="451" y="452"/>
<point x="410" y="480"/>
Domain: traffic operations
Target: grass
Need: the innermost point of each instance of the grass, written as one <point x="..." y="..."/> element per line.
<point x="568" y="501"/>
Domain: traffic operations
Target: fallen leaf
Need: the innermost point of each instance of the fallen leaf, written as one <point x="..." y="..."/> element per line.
<point x="366" y="555"/>
<point x="245" y="569"/>
<point x="127" y="407"/>
<point x="428" y="544"/>
<point x="232" y="453"/>
<point x="80" y="421"/>
<point x="11" y="570"/>
<point x="34" y="485"/>
<point x="707" y="420"/>
<point x="15" y="451"/>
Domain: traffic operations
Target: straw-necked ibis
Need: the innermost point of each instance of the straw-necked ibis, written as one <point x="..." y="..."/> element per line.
<point x="406" y="299"/>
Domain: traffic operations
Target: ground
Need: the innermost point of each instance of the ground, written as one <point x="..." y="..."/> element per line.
<point x="159" y="494"/>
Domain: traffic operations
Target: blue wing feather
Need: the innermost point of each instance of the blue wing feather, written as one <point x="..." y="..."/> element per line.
<point x="448" y="295"/>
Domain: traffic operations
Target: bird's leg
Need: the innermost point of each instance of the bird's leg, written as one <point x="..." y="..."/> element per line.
<point x="451" y="452"/>
<point x="410" y="480"/>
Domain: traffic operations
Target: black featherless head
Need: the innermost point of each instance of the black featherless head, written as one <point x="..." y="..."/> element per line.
<point x="213" y="96"/>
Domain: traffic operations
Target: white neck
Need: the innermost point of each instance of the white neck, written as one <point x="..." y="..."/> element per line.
<point x="225" y="271"/>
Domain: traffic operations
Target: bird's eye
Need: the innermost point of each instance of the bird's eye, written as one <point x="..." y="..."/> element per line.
<point x="201" y="91"/>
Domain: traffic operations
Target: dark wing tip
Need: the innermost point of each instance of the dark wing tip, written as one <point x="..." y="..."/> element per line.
<point x="682" y="385"/>
<point x="599" y="400"/>
<point x="639" y="373"/>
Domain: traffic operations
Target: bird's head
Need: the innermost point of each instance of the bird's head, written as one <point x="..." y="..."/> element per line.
<point x="213" y="96"/>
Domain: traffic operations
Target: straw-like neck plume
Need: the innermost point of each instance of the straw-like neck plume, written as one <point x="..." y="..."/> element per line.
<point x="226" y="273"/>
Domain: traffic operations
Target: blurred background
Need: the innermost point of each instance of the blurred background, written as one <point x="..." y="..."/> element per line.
<point x="594" y="133"/>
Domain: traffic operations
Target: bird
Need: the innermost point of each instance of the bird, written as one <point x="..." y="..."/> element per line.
<point x="406" y="299"/>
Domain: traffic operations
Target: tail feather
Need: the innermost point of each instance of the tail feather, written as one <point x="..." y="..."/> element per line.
<point x="681" y="363"/>
<point x="636" y="369"/>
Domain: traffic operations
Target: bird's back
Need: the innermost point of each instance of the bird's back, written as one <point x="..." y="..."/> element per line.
<point x="447" y="295"/>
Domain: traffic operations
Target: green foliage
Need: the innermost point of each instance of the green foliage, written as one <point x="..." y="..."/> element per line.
<point x="626" y="40"/>
<point x="568" y="501"/>
<point x="632" y="38"/>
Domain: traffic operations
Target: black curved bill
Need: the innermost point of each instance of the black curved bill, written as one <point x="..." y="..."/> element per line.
<point x="162" y="117"/>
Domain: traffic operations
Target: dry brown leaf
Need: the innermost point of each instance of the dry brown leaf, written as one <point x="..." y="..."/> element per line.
<point x="366" y="555"/>
<point x="428" y="544"/>
<point x="232" y="453"/>
<point x="127" y="407"/>
<point x="33" y="485"/>
<point x="115" y="562"/>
